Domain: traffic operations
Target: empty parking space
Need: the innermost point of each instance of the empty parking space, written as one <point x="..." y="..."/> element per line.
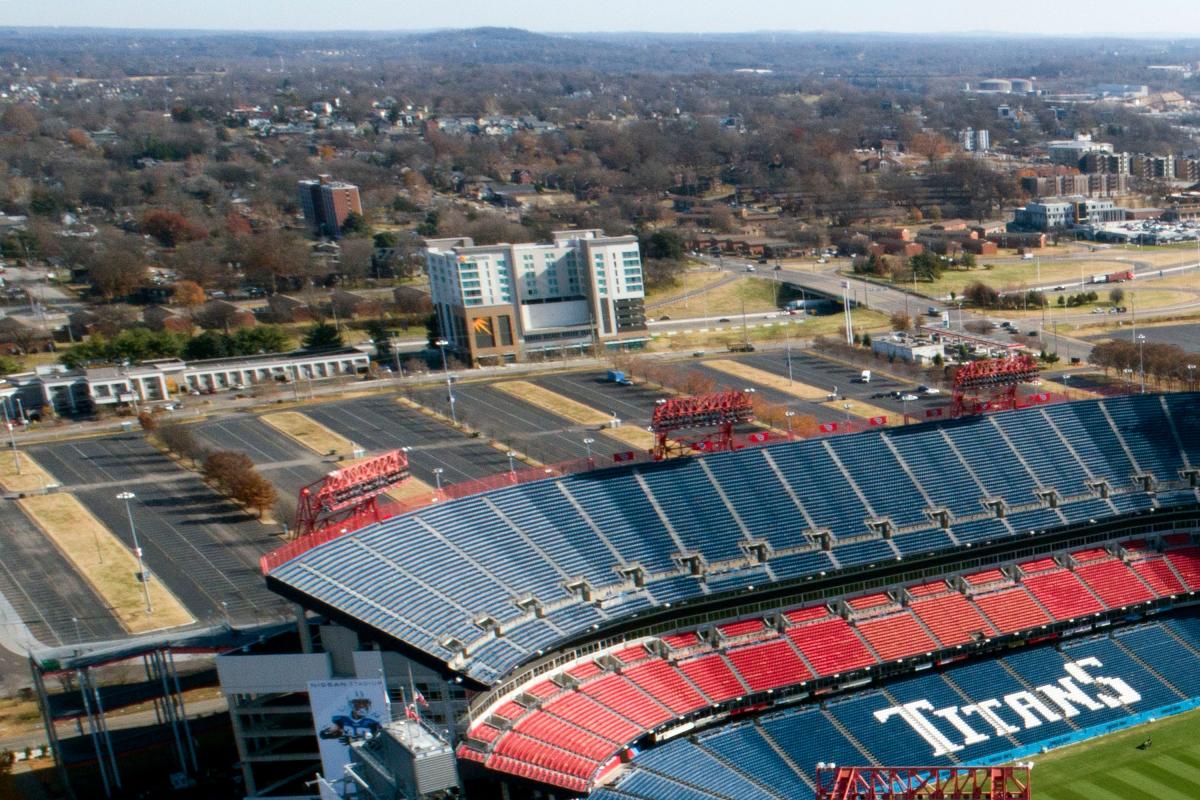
<point x="204" y="548"/>
<point x="381" y="423"/>
<point x="286" y="463"/>
<point x="53" y="601"/>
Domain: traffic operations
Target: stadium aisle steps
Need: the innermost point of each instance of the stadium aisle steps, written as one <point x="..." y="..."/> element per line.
<point x="1114" y="583"/>
<point x="948" y="679"/>
<point x="1062" y="594"/>
<point x="1186" y="561"/>
<point x="896" y="636"/>
<point x="952" y="618"/>
<point x="1012" y="610"/>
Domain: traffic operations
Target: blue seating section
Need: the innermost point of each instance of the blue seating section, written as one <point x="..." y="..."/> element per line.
<point x="807" y="736"/>
<point x="1166" y="655"/>
<point x="745" y="746"/>
<point x="694" y="766"/>
<point x="429" y="574"/>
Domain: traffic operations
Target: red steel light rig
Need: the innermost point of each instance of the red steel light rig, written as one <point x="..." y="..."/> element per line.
<point x="991" y="384"/>
<point x="721" y="410"/>
<point x="923" y="783"/>
<point x="350" y="492"/>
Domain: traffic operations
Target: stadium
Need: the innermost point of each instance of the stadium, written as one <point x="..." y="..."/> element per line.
<point x="739" y="623"/>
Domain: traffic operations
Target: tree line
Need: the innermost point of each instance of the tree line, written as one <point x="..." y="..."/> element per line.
<point x="230" y="472"/>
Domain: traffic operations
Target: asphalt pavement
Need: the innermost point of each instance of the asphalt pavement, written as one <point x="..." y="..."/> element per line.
<point x="286" y="463"/>
<point x="53" y="601"/>
<point x="204" y="548"/>
<point x="381" y="423"/>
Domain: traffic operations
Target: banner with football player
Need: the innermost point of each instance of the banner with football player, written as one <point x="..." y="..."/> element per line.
<point x="344" y="711"/>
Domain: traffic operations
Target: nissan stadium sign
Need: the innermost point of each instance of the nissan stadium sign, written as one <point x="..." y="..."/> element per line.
<point x="351" y="485"/>
<point x="1075" y="695"/>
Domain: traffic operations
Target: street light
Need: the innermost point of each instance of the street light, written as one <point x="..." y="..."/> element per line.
<point x="905" y="399"/>
<point x="789" y="415"/>
<point x="1141" y="360"/>
<point x="588" y="444"/>
<point x="437" y="477"/>
<point x="12" y="437"/>
<point x="442" y="344"/>
<point x="511" y="455"/>
<point x="1128" y="372"/>
<point x="1191" y="368"/>
<point x="137" y="550"/>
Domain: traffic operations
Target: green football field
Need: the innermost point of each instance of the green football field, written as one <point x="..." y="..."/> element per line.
<point x="1113" y="768"/>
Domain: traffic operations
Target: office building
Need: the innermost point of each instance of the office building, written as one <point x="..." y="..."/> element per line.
<point x="327" y="203"/>
<point x="975" y="141"/>
<point x="505" y="302"/>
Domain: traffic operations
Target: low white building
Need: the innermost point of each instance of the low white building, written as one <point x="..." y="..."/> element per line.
<point x="913" y="349"/>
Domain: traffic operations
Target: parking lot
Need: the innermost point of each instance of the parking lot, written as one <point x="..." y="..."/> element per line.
<point x="204" y="548"/>
<point x="381" y="423"/>
<point x="53" y="601"/>
<point x="286" y="463"/>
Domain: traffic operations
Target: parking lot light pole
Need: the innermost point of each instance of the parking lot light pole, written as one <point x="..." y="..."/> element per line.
<point x="137" y="550"/>
<point x="512" y="469"/>
<point x="1191" y="368"/>
<point x="1128" y="373"/>
<point x="904" y="398"/>
<point x="588" y="444"/>
<point x="442" y="344"/>
<point x="12" y="437"/>
<point x="789" y="415"/>
<point x="437" y="477"/>
<point x="1142" y="361"/>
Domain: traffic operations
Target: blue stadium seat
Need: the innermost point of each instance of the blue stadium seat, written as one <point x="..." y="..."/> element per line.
<point x="1165" y="655"/>
<point x="1116" y="661"/>
<point x="695" y="766"/>
<point x="744" y="745"/>
<point x="808" y="738"/>
<point x="1045" y="452"/>
<point x="620" y="509"/>
<point x="992" y="460"/>
<point x="1083" y="425"/>
<point x="698" y="515"/>
<point x="754" y="490"/>
<point x="879" y="476"/>
<point x="1146" y="430"/>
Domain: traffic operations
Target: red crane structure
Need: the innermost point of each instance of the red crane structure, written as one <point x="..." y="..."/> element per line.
<point x="923" y="783"/>
<point x="350" y="493"/>
<point x="721" y="410"/>
<point x="991" y="384"/>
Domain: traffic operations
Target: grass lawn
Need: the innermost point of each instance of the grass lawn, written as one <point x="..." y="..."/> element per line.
<point x="553" y="402"/>
<point x="861" y="410"/>
<point x="689" y="281"/>
<point x="31" y="478"/>
<point x="309" y="432"/>
<point x="1113" y="768"/>
<point x="811" y="327"/>
<point x="758" y="294"/>
<point x="105" y="562"/>
<point x="768" y="379"/>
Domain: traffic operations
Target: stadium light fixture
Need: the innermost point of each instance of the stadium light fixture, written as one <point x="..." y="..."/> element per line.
<point x="137" y="550"/>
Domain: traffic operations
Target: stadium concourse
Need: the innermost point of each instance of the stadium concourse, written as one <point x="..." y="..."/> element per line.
<point x="969" y="591"/>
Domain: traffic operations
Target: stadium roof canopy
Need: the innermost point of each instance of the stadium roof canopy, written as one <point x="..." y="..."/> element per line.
<point x="488" y="582"/>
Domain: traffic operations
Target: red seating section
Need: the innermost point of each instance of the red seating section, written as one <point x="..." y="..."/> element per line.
<point x="952" y="619"/>
<point x="664" y="682"/>
<point x="832" y="646"/>
<point x="985" y="577"/>
<point x="1011" y="610"/>
<point x="1157" y="573"/>
<point x="1186" y="561"/>
<point x="568" y="735"/>
<point x="769" y="666"/>
<point x="713" y="677"/>
<point x="1062" y="594"/>
<point x="627" y="700"/>
<point x="741" y="628"/>
<point x="896" y="636"/>
<point x="590" y="715"/>
<point x="1114" y="583"/>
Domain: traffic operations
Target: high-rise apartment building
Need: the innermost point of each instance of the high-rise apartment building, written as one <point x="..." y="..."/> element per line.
<point x="327" y="203"/>
<point x="504" y="302"/>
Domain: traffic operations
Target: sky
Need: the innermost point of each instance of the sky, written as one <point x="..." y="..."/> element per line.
<point x="1169" y="18"/>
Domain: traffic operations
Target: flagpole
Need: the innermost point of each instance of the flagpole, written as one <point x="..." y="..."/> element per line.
<point x="413" y="687"/>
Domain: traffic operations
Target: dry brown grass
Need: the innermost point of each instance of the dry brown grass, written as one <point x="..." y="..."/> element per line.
<point x="861" y="410"/>
<point x="31" y="478"/>
<point x="309" y="432"/>
<point x="768" y="379"/>
<point x="104" y="562"/>
<point x="553" y="402"/>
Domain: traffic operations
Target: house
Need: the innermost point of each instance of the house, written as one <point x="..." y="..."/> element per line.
<point x="288" y="308"/>
<point x="224" y="315"/>
<point x="348" y="305"/>
<point x="165" y="318"/>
